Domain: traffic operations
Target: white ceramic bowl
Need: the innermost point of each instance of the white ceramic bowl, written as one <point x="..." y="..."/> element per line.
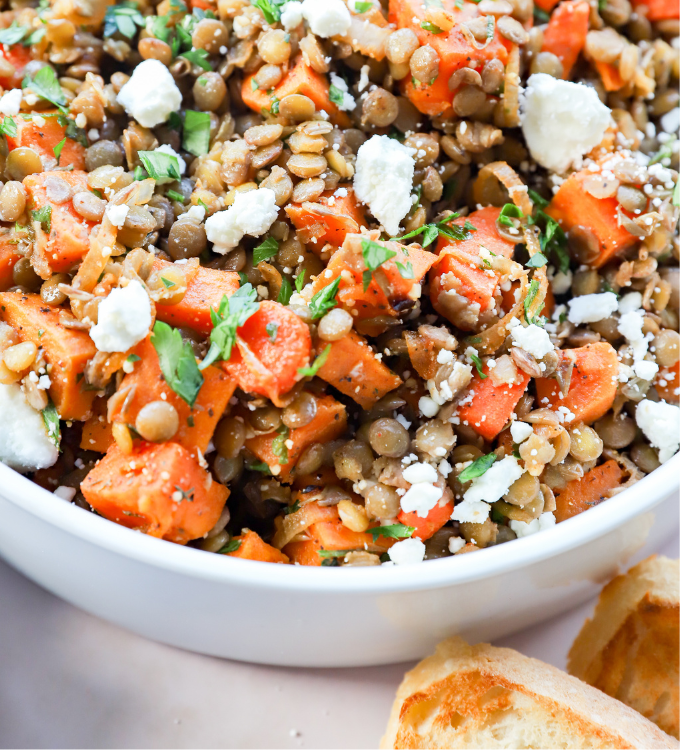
<point x="297" y="616"/>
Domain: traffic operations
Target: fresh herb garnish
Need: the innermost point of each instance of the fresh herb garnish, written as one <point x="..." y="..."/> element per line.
<point x="279" y="447"/>
<point x="260" y="466"/>
<point x="8" y="127"/>
<point x="177" y="362"/>
<point x="537" y="260"/>
<point x="552" y="239"/>
<point x="58" y="148"/>
<point x="270" y="10"/>
<point x="337" y="95"/>
<point x="374" y="256"/>
<point x="431" y="27"/>
<point x="51" y="421"/>
<point x="123" y="17"/>
<point x="478" y="467"/>
<point x="133" y="358"/>
<point x="231" y="314"/>
<point x="13" y="34"/>
<point x="196" y="136"/>
<point x="44" y="216"/>
<point x="175" y="196"/>
<point x="286" y="291"/>
<point x="477" y="362"/>
<point x="509" y="212"/>
<point x="431" y="232"/>
<point x="394" y="531"/>
<point x="361" y="7"/>
<point x="159" y="165"/>
<point x="139" y="174"/>
<point x="231" y="546"/>
<point x="334" y="552"/>
<point x="528" y="300"/>
<point x="272" y="331"/>
<point x="294" y="508"/>
<point x="167" y="283"/>
<point x="324" y="300"/>
<point x="45" y="85"/>
<point x="319" y="362"/>
<point x="300" y="281"/>
<point x="538" y="200"/>
<point x="665" y="152"/>
<point x="266" y="250"/>
<point x="405" y="271"/>
<point x="198" y="57"/>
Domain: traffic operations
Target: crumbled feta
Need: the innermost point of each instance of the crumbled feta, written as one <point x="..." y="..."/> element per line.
<point x="117" y="214"/>
<point x="533" y="339"/>
<point x="420" y="472"/>
<point x="660" y="423"/>
<point x="123" y="320"/>
<point x="520" y="431"/>
<point x="383" y="179"/>
<point x="670" y="122"/>
<point x="291" y="16"/>
<point x="561" y="281"/>
<point x="170" y="151"/>
<point x="589" y="308"/>
<point x="24" y="443"/>
<point x="456" y="543"/>
<point x="151" y="94"/>
<point x="348" y="102"/>
<point x="630" y="326"/>
<point x="196" y="212"/>
<point x="407" y="552"/>
<point x="403" y="421"/>
<point x="444" y="468"/>
<point x="327" y="18"/>
<point x="363" y="78"/>
<point x="421" y="498"/>
<point x="471" y="511"/>
<point x="444" y="356"/>
<point x="495" y="481"/>
<point x="561" y="120"/>
<point x="428" y="407"/>
<point x="645" y="369"/>
<point x="10" y="103"/>
<point x="543" y="522"/>
<point x="251" y="213"/>
<point x="65" y="493"/>
<point x="629" y="302"/>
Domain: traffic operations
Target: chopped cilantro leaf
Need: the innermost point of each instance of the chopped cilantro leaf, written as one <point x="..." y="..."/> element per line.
<point x="231" y="546"/>
<point x="51" y="421"/>
<point x="123" y="17"/>
<point x="265" y="250"/>
<point x="231" y="314"/>
<point x="286" y="292"/>
<point x="431" y="27"/>
<point x="44" y="216"/>
<point x="196" y="138"/>
<point x="45" y="85"/>
<point x="478" y="467"/>
<point x="160" y="166"/>
<point x="300" y="280"/>
<point x="272" y="331"/>
<point x="319" y="362"/>
<point x="324" y="300"/>
<point x="279" y="448"/>
<point x="394" y="531"/>
<point x="58" y="148"/>
<point x="536" y="261"/>
<point x="177" y="362"/>
<point x="198" y="57"/>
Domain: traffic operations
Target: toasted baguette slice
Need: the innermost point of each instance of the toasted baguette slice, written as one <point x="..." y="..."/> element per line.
<point x="485" y="697"/>
<point x="630" y="647"/>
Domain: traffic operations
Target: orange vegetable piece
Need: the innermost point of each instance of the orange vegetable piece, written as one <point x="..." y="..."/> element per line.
<point x="19" y="56"/>
<point x="205" y="290"/>
<point x="353" y="369"/>
<point x="97" y="434"/>
<point x="329" y="423"/>
<point x="572" y="206"/>
<point x="658" y="10"/>
<point x="44" y="138"/>
<point x="304" y="552"/>
<point x="565" y="34"/>
<point x="667" y="382"/>
<point x="611" y="78"/>
<point x="590" y="490"/>
<point x="253" y="548"/>
<point x="593" y="383"/>
<point x="329" y="220"/>
<point x="454" y="49"/>
<point x="8" y="257"/>
<point x="428" y="526"/>
<point x="67" y="350"/>
<point x="196" y="426"/>
<point x="546" y="5"/>
<point x="69" y="237"/>
<point x="159" y="489"/>
<point x="487" y="407"/>
<point x="300" y="79"/>
<point x="265" y="366"/>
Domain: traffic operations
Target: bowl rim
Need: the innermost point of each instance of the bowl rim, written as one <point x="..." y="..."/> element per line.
<point x="574" y="532"/>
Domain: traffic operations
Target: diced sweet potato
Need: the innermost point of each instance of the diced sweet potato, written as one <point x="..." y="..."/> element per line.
<point x="572" y="206"/>
<point x="300" y="79"/>
<point x="160" y="489"/>
<point x="353" y="369"/>
<point x="329" y="423"/>
<point x="667" y="383"/>
<point x="253" y="548"/>
<point x="8" y="257"/>
<point x="68" y="240"/>
<point x="205" y="290"/>
<point x="43" y="139"/>
<point x="19" y="57"/>
<point x="146" y="384"/>
<point x="328" y="221"/>
<point x="97" y="434"/>
<point x="610" y="75"/>
<point x="435" y="519"/>
<point x="593" y="383"/>
<point x="658" y="10"/>
<point x="66" y="350"/>
<point x="590" y="490"/>
<point x="565" y="34"/>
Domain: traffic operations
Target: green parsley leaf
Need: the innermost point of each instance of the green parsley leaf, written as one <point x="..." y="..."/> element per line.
<point x="196" y="138"/>
<point x="337" y="95"/>
<point x="13" y="34"/>
<point x="509" y="212"/>
<point x="279" y="448"/>
<point x="334" y="552"/>
<point x="431" y="27"/>
<point x="175" y="196"/>
<point x="294" y="508"/>
<point x="324" y="300"/>
<point x="167" y="283"/>
<point x="531" y="295"/>
<point x="58" y="148"/>
<point x="394" y="531"/>
<point x="275" y="105"/>
<point x="132" y="358"/>
<point x="44" y="216"/>
<point x="8" y="127"/>
<point x="601" y="5"/>
<point x="123" y="17"/>
<point x="553" y="240"/>
<point x="266" y="250"/>
<point x="160" y="166"/>
<point x="272" y="331"/>
<point x="51" y="421"/>
<point x="260" y="466"/>
<point x="73" y="131"/>
<point x="405" y="271"/>
<point x="45" y="85"/>
<point x="538" y="200"/>
<point x="286" y="292"/>
<point x="140" y="174"/>
<point x="254" y="85"/>
<point x="431" y="232"/>
<point x="375" y="255"/>
<point x="607" y="287"/>
<point x="270" y="10"/>
<point x="198" y="57"/>
<point x="231" y="315"/>
<point x="177" y="362"/>
<point x="479" y="365"/>
<point x="362" y="7"/>
<point x="319" y="362"/>
<point x="478" y="467"/>
<point x="536" y="261"/>
<point x="366" y="277"/>
<point x="231" y="546"/>
<point x="300" y="280"/>
<point x="540" y="16"/>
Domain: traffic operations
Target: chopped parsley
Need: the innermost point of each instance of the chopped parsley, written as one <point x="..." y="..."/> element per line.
<point x="51" y="421"/>
<point x="405" y="271"/>
<point x="175" y="196"/>
<point x="394" y="531"/>
<point x="337" y="95"/>
<point x="279" y="447"/>
<point x="177" y="362"/>
<point x="300" y="281"/>
<point x="44" y="216"/>
<point x="13" y="34"/>
<point x="58" y="148"/>
<point x="477" y="362"/>
<point x="8" y="127"/>
<point x="361" y="7"/>
<point x="45" y="85"/>
<point x="231" y="546"/>
<point x="124" y="18"/>
<point x="266" y="250"/>
<point x="324" y="300"/>
<point x="431" y="232"/>
<point x="231" y="314"/>
<point x="319" y="362"/>
<point x="271" y="9"/>
<point x="198" y="57"/>
<point x="478" y="467"/>
<point x="272" y="331"/>
<point x="509" y="212"/>
<point x="196" y="136"/>
<point x="374" y="256"/>
<point x="431" y="27"/>
<point x="160" y="166"/>
<point x="536" y="261"/>
<point x="528" y="300"/>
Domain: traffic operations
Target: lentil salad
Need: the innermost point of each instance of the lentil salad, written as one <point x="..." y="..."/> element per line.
<point x="339" y="284"/>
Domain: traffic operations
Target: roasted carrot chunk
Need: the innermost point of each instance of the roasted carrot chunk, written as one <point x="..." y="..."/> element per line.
<point x="435" y="519"/>
<point x="565" y="35"/>
<point x="486" y="407"/>
<point x="304" y="552"/>
<point x="300" y="79"/>
<point x="146" y="383"/>
<point x="271" y="347"/>
<point x="658" y="10"/>
<point x="205" y="290"/>
<point x="281" y="452"/>
<point x="97" y="434"/>
<point x="328" y="221"/>
<point x="572" y="206"/>
<point x="590" y="490"/>
<point x="611" y="78"/>
<point x="667" y="382"/>
<point x="43" y="139"/>
<point x="252" y="547"/>
<point x="66" y="350"/>
<point x="8" y="257"/>
<point x="19" y="57"/>
<point x="61" y="243"/>
<point x="353" y="369"/>
<point x="159" y="489"/>
<point x="593" y="384"/>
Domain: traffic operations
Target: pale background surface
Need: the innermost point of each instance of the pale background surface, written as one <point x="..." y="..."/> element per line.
<point x="70" y="680"/>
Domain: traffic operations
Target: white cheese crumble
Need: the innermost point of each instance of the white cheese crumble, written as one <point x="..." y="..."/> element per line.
<point x="124" y="319"/>
<point x="533" y="339"/>
<point x="561" y="120"/>
<point x="428" y="407"/>
<point x="629" y="302"/>
<point x="65" y="493"/>
<point x="660" y="423"/>
<point x="645" y="369"/>
<point x="421" y="498"/>
<point x="456" y="543"/>
<point x="24" y="443"/>
<point x="117" y="214"/>
<point x="384" y="178"/>
<point x="151" y="94"/>
<point x="560" y="281"/>
<point x="363" y="78"/>
<point x="291" y="16"/>
<point x="407" y="552"/>
<point x="10" y="103"/>
<point x="630" y="326"/>
<point x="195" y="212"/>
<point x="251" y="213"/>
<point x="170" y="151"/>
<point x="420" y="472"/>
<point x="327" y="18"/>
<point x="543" y="522"/>
<point x="471" y="511"/>
<point x="520" y="431"/>
<point x="670" y="122"/>
<point x="589" y="308"/>
<point x="495" y="481"/>
<point x="348" y="103"/>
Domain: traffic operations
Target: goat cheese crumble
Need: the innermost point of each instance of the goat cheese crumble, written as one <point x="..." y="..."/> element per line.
<point x="520" y="431"/>
<point x="170" y="151"/>
<point x="407" y="552"/>
<point x="543" y="522"/>
<point x="291" y="15"/>
<point x="590" y="308"/>
<point x="10" y="102"/>
<point x="24" y="442"/>
<point x="660" y="423"/>
<point x="561" y="120"/>
<point x="117" y="214"/>
<point x="533" y="339"/>
<point x="327" y="18"/>
<point x="251" y="213"/>
<point x="124" y="319"/>
<point x="384" y="178"/>
<point x="495" y="481"/>
<point x="151" y="94"/>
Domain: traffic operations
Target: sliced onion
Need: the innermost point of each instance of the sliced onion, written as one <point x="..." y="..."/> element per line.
<point x="294" y="524"/>
<point x="540" y="275"/>
<point x="510" y="101"/>
<point x="488" y="341"/>
<point x="501" y="171"/>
